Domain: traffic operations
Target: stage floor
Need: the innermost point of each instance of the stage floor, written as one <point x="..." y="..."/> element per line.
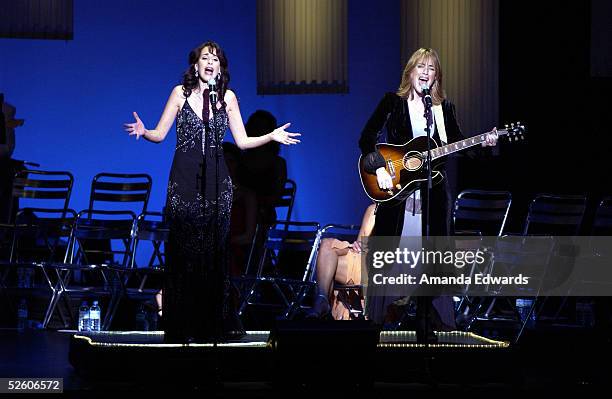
<point x="259" y="363"/>
<point x="264" y="340"/>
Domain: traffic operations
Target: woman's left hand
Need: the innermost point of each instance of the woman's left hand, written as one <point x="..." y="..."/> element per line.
<point x="280" y="135"/>
<point x="491" y="138"/>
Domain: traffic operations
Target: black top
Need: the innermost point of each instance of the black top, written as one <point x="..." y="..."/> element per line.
<point x="392" y="112"/>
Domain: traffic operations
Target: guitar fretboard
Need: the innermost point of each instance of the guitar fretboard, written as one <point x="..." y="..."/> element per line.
<point x="461" y="144"/>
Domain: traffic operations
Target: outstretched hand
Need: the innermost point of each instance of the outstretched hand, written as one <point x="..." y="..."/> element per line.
<point x="135" y="129"/>
<point x="280" y="135"/>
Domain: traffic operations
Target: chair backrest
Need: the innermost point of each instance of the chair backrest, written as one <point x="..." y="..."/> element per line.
<point x="150" y="227"/>
<point x="94" y="229"/>
<point x="551" y="214"/>
<point x="288" y="250"/>
<point x="46" y="189"/>
<point x="41" y="235"/>
<point x="120" y="189"/>
<point x="287" y="199"/>
<point x="481" y="212"/>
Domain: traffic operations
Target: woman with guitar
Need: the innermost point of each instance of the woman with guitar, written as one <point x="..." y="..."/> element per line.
<point x="402" y="207"/>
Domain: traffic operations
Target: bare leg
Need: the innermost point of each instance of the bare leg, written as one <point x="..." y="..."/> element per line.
<point x="327" y="263"/>
<point x="158" y="299"/>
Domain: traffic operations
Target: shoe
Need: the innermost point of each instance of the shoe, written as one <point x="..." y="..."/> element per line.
<point x="320" y="308"/>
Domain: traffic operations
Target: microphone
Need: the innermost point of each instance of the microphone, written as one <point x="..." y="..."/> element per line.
<point x="426" y="94"/>
<point x="212" y="88"/>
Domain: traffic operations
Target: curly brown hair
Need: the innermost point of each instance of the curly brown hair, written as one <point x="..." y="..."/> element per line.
<point x="190" y="80"/>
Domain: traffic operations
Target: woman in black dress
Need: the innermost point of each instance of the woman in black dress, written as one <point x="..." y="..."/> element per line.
<point x="196" y="304"/>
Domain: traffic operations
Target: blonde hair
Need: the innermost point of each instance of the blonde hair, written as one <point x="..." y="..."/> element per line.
<point x="421" y="55"/>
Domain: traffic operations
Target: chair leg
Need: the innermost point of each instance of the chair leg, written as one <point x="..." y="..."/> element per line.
<point x="50" y="308"/>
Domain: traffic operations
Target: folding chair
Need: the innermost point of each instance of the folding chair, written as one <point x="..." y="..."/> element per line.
<point x="150" y="237"/>
<point x="98" y="279"/>
<point x="101" y="244"/>
<point x="558" y="215"/>
<point x="481" y="212"/>
<point x="555" y="215"/>
<point x="591" y="280"/>
<point x="478" y="213"/>
<point x="522" y="254"/>
<point x="38" y="234"/>
<point x="283" y="275"/>
<point x="350" y="296"/>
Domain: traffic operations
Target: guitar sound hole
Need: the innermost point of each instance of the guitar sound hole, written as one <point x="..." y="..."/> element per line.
<point x="412" y="163"/>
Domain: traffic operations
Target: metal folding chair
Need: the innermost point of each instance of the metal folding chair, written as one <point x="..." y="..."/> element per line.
<point x="283" y="275"/>
<point x="476" y="214"/>
<point x="97" y="264"/>
<point x="39" y="233"/>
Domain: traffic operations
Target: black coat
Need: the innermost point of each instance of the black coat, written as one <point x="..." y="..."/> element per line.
<point x="392" y="113"/>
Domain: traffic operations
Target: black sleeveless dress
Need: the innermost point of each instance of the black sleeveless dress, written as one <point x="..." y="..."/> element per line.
<point x="195" y="298"/>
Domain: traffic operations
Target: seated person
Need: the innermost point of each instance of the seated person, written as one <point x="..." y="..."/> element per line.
<point x="262" y="169"/>
<point x="339" y="261"/>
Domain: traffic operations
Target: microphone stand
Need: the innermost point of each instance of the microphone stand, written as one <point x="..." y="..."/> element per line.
<point x="428" y="117"/>
<point x="216" y="266"/>
<point x="218" y="324"/>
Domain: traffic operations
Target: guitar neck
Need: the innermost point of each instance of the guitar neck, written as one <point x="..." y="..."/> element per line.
<point x="462" y="144"/>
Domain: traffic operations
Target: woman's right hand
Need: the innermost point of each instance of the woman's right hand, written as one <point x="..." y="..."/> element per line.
<point x="384" y="179"/>
<point x="135" y="129"/>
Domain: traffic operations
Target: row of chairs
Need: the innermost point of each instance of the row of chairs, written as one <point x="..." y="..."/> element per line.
<point x="85" y="253"/>
<point x="480" y="213"/>
<point x="486" y="213"/>
<point x="92" y="253"/>
<point x="280" y="274"/>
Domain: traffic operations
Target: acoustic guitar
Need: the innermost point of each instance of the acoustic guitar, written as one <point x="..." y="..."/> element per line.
<point x="407" y="167"/>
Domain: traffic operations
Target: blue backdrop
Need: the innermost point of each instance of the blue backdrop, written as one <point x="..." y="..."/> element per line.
<point x="127" y="55"/>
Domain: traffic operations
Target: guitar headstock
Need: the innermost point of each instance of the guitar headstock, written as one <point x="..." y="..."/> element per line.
<point x="515" y="131"/>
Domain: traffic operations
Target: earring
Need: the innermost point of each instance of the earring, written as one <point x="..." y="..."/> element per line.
<point x="196" y="73"/>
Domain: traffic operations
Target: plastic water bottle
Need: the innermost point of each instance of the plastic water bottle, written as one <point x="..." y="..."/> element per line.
<point x="94" y="316"/>
<point x="84" y="323"/>
<point x="142" y="324"/>
<point x="22" y="315"/>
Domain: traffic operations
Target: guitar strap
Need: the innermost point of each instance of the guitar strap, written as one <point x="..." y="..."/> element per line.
<point x="439" y="118"/>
